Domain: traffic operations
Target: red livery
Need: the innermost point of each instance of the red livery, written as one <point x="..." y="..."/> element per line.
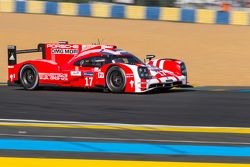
<point x="93" y="66"/>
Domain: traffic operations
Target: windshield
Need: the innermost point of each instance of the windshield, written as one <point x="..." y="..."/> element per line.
<point x="128" y="59"/>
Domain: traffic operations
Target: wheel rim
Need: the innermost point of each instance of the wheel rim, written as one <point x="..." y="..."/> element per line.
<point x="29" y="77"/>
<point x="116" y="79"/>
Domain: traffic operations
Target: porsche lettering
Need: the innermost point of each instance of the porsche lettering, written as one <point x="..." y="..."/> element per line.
<point x="63" y="46"/>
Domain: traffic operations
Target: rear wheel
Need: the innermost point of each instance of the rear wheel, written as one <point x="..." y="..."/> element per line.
<point x="29" y="77"/>
<point x="115" y="80"/>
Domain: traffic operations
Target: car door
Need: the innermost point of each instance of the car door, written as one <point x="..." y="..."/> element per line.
<point x="89" y="68"/>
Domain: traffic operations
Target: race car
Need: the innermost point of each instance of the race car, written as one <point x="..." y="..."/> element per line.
<point x="93" y="66"/>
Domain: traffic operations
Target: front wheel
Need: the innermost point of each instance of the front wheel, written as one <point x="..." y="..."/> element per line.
<point x="29" y="77"/>
<point x="116" y="80"/>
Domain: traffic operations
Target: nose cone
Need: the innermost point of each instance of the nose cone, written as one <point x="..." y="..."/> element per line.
<point x="156" y="72"/>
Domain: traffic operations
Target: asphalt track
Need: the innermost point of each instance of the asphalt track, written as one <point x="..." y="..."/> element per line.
<point x="56" y="127"/>
<point x="205" y="106"/>
<point x="99" y="144"/>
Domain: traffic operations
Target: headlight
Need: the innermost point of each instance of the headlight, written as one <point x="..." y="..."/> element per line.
<point x="143" y="73"/>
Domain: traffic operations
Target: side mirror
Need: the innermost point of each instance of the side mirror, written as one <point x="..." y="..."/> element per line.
<point x="149" y="57"/>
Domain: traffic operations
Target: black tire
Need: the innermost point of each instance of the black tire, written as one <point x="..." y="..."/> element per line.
<point x="115" y="80"/>
<point x="29" y="77"/>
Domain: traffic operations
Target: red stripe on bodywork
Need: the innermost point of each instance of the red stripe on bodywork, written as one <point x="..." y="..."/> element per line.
<point x="158" y="63"/>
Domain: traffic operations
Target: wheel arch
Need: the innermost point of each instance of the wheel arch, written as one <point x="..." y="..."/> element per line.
<point x="22" y="82"/>
<point x="129" y="75"/>
<point x="44" y="66"/>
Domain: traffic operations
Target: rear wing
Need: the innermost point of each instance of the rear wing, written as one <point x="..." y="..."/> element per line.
<point x="60" y="52"/>
<point x="12" y="53"/>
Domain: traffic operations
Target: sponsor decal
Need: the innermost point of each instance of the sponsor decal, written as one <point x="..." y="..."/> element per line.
<point x="96" y="69"/>
<point x="87" y="47"/>
<point x="64" y="51"/>
<point x="75" y="73"/>
<point x="143" y="82"/>
<point x="12" y="77"/>
<point x="53" y="76"/>
<point x="100" y="75"/>
<point x="88" y="74"/>
<point x="131" y="83"/>
<point x="62" y="46"/>
<point x="129" y="75"/>
<point x="154" y="69"/>
<point x="12" y="57"/>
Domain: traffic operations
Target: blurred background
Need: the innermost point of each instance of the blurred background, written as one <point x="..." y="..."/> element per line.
<point x="204" y="4"/>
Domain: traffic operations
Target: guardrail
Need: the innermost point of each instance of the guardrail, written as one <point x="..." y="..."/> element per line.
<point x="127" y="11"/>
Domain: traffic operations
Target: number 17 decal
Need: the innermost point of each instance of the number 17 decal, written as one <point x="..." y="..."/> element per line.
<point x="88" y="81"/>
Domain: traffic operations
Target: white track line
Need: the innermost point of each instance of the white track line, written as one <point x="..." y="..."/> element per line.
<point x="124" y="139"/>
<point x="111" y="124"/>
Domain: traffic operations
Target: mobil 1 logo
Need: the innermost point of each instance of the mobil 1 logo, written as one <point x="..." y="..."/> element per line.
<point x="64" y="51"/>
